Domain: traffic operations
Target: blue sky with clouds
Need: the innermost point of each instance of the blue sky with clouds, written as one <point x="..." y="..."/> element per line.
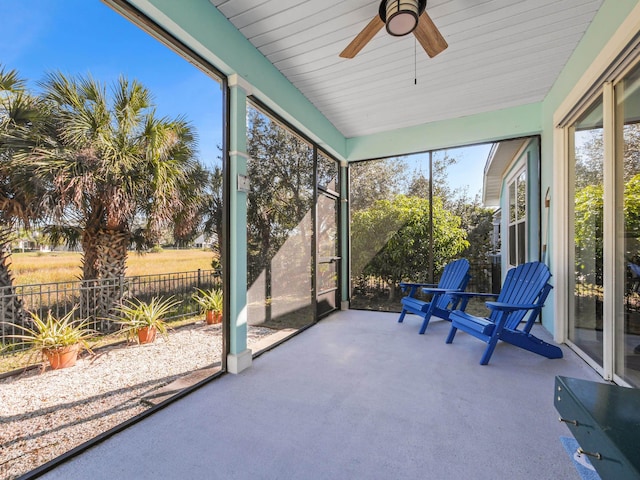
<point x="81" y="37"/>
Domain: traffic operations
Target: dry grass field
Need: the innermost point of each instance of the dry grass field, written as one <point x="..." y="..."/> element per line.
<point x="36" y="268"/>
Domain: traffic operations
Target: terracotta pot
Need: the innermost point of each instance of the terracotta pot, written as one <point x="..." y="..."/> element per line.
<point x="147" y="335"/>
<point x="62" y="357"/>
<point x="213" y="317"/>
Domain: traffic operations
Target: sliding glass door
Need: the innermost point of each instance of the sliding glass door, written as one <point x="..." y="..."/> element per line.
<point x="627" y="325"/>
<point x="604" y="235"/>
<point x="587" y="288"/>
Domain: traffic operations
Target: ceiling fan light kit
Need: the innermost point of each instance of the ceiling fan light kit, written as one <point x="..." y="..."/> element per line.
<point x="401" y="16"/>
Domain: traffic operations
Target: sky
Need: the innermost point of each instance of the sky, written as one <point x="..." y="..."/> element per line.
<point x="467" y="172"/>
<point x="82" y="37"/>
<point x="469" y="168"/>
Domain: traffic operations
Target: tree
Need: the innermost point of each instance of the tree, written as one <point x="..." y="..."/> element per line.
<point x="390" y="240"/>
<point x="22" y="199"/>
<point x="213" y="204"/>
<point x="108" y="160"/>
<point x="375" y="180"/>
<point x="588" y="233"/>
<point x="632" y="207"/>
<point x="589" y="202"/>
<point x="280" y="202"/>
<point x="191" y="218"/>
<point x="476" y="220"/>
<point x="419" y="184"/>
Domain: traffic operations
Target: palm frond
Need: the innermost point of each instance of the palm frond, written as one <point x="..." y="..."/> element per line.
<point x="59" y="234"/>
<point x="10" y="81"/>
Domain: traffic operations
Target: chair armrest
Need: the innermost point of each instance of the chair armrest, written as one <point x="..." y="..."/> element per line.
<point x="411" y="284"/>
<point x="440" y="290"/>
<point x="469" y="295"/>
<point x="462" y="298"/>
<point x="412" y="288"/>
<point x="512" y="307"/>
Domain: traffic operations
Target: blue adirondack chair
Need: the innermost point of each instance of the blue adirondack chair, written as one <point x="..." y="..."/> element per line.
<point x="524" y="290"/>
<point x="455" y="277"/>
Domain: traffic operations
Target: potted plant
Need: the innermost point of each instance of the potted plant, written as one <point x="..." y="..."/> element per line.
<point x="211" y="302"/>
<point x="59" y="340"/>
<point x="143" y="320"/>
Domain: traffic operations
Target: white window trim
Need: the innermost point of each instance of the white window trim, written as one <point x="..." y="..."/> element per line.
<point x="520" y="161"/>
<point x="519" y="167"/>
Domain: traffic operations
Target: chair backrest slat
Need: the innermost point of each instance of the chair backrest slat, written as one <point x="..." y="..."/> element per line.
<point x="524" y="284"/>
<point x="455" y="276"/>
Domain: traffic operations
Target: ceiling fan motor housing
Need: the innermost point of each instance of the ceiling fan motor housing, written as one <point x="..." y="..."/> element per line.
<point x="401" y="16"/>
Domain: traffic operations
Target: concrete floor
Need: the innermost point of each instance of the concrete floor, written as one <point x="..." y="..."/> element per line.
<point x="357" y="396"/>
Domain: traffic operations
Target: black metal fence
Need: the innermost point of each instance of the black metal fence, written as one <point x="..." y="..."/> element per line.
<point x="62" y="297"/>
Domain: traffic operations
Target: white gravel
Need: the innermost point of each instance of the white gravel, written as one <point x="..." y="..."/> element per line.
<point x="44" y="414"/>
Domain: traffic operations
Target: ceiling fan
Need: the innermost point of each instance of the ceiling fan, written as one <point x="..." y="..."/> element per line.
<point x="401" y="17"/>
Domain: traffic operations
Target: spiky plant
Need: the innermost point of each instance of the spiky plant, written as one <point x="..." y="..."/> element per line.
<point x="48" y="334"/>
<point x="209" y="300"/>
<point x="137" y="314"/>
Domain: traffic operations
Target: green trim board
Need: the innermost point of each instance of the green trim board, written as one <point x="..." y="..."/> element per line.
<point x="203" y="28"/>
<point x="238" y="222"/>
<point x="345" y="234"/>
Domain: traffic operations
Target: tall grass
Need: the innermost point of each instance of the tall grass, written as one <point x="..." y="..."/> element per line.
<point x="36" y="268"/>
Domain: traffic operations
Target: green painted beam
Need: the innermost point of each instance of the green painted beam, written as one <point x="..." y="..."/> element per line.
<point x="481" y="128"/>
<point x="238" y="219"/>
<point x="345" y="293"/>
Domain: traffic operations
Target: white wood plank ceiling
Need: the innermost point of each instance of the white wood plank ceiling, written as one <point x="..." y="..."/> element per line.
<point x="502" y="53"/>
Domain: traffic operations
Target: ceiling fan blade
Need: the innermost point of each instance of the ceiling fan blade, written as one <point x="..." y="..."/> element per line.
<point x="363" y="38"/>
<point x="429" y="36"/>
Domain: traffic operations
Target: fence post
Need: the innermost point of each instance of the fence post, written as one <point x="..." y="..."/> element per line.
<point x="121" y="289"/>
<point x="199" y="271"/>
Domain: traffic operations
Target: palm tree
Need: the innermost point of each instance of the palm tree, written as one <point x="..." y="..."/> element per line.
<point x="213" y="205"/>
<point x="22" y="198"/>
<point x="110" y="161"/>
<point x="195" y="209"/>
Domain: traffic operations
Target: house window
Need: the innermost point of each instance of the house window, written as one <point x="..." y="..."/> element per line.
<point x="517" y="236"/>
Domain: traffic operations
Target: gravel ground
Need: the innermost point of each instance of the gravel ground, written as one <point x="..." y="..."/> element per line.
<point x="44" y="414"/>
